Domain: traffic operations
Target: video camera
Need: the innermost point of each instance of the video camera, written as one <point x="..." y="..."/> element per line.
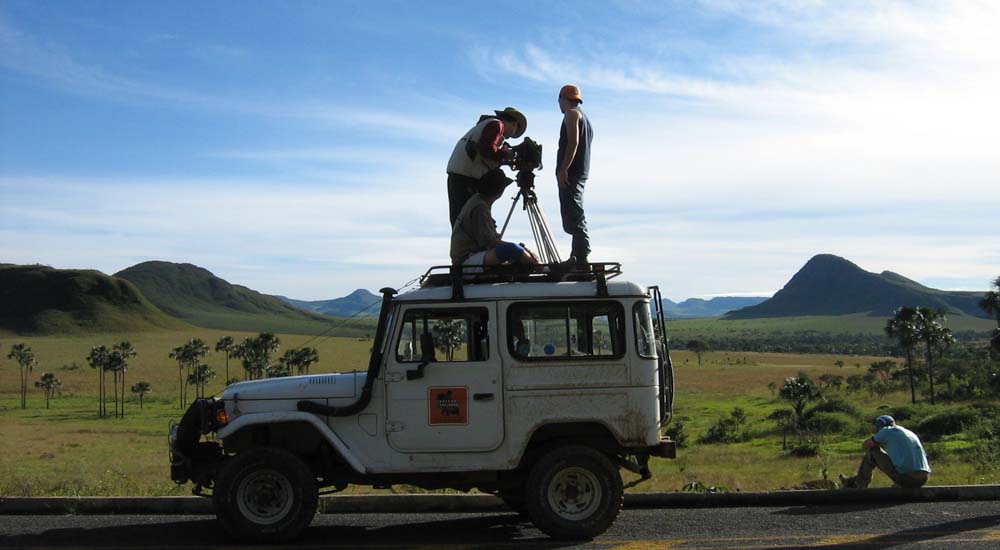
<point x="527" y="159"/>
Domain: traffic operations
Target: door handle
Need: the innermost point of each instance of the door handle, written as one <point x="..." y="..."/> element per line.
<point x="483" y="396"/>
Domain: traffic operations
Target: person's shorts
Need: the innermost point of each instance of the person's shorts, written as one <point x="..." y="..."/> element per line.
<point x="476" y="259"/>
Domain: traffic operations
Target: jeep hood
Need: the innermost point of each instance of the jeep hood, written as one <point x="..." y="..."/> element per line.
<point x="318" y="386"/>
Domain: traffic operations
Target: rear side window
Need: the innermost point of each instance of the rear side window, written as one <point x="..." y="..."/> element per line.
<point x="557" y="331"/>
<point x="645" y="337"/>
<point x="444" y="335"/>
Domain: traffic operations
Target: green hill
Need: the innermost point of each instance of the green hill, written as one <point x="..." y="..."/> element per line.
<point x="360" y="302"/>
<point x="40" y="300"/>
<point x="197" y="296"/>
<point x="831" y="285"/>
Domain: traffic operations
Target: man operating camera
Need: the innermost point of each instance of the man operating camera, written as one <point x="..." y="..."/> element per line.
<point x="478" y="155"/>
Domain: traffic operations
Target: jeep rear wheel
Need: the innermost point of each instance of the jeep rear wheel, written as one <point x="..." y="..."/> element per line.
<point x="574" y="492"/>
<point x="265" y="495"/>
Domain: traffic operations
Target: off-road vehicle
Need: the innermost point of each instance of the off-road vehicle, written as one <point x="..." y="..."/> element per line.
<point x="530" y="384"/>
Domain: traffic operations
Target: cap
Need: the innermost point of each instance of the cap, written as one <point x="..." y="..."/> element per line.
<point x="522" y="121"/>
<point x="571" y="91"/>
<point x="884" y="421"/>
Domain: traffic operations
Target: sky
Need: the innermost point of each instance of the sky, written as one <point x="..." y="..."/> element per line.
<point x="299" y="148"/>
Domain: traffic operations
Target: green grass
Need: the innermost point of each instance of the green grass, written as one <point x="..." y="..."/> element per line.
<point x="830" y="324"/>
<point x="67" y="450"/>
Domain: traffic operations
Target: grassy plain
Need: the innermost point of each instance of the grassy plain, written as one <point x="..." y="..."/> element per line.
<point x="67" y="450"/>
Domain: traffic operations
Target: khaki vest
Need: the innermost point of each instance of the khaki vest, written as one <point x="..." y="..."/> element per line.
<point x="465" y="159"/>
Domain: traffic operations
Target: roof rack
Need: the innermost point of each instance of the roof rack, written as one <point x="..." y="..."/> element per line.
<point x="456" y="276"/>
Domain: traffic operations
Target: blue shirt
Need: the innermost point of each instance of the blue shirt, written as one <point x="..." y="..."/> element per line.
<point x="903" y="448"/>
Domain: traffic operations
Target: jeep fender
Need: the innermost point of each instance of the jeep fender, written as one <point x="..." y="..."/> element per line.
<point x="255" y="419"/>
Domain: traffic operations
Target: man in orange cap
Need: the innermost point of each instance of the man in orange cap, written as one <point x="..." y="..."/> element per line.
<point x="572" y="169"/>
<point x="478" y="155"/>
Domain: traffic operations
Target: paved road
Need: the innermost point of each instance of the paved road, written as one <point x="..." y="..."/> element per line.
<point x="974" y="525"/>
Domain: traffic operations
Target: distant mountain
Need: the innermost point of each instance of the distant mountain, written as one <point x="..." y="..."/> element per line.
<point x="196" y="295"/>
<point x="831" y="285"/>
<point x="37" y="299"/>
<point x="715" y="307"/>
<point x="358" y="301"/>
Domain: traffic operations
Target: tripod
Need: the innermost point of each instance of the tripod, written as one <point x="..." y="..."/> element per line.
<point x="544" y="243"/>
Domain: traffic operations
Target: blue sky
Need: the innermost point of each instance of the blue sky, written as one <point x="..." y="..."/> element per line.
<point x="298" y="148"/>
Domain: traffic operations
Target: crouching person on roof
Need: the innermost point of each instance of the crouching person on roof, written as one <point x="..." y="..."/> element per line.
<point x="894" y="450"/>
<point x="474" y="238"/>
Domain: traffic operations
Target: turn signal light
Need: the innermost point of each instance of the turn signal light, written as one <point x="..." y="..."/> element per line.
<point x="221" y="418"/>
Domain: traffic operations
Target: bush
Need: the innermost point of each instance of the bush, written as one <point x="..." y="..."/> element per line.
<point x="677" y="434"/>
<point x="805" y="449"/>
<point x="830" y="423"/>
<point x="727" y="430"/>
<point x="947" y="423"/>
<point x="834" y="406"/>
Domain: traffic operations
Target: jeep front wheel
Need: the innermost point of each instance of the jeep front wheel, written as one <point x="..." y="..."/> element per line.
<point x="265" y="495"/>
<point x="574" y="492"/>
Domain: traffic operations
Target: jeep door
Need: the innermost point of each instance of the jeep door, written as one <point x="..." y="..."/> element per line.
<point x="443" y="379"/>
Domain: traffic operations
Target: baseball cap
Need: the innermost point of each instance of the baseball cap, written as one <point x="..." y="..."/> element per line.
<point x="571" y="91"/>
<point x="884" y="421"/>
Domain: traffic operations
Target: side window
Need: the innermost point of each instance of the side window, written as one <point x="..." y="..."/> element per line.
<point x="559" y="331"/>
<point x="645" y="337"/>
<point x="444" y="335"/>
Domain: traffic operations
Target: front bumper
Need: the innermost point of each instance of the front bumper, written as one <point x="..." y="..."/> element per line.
<point x="666" y="448"/>
<point x="191" y="458"/>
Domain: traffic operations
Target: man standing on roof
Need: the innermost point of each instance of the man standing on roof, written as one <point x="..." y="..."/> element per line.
<point x="474" y="238"/>
<point x="572" y="169"/>
<point x="479" y="154"/>
<point x="894" y="450"/>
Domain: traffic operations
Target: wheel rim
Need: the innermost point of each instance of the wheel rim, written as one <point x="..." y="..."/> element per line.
<point x="574" y="493"/>
<point x="265" y="497"/>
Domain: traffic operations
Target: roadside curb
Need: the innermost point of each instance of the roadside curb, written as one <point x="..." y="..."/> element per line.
<point x="361" y="504"/>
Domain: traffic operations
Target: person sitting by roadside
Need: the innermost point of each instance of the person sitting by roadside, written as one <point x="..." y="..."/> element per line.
<point x="474" y="238"/>
<point x="894" y="450"/>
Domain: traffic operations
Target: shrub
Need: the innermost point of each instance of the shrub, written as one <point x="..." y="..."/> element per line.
<point x="830" y="423"/>
<point x="947" y="423"/>
<point x="834" y="406"/>
<point x="805" y="449"/>
<point x="677" y="434"/>
<point x="727" y="430"/>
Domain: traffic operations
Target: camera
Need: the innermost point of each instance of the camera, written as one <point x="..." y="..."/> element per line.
<point x="527" y="155"/>
<point x="527" y="159"/>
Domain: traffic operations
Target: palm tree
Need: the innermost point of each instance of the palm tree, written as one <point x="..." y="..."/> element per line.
<point x="199" y="376"/>
<point x="188" y="357"/>
<point x="123" y="352"/>
<point x="935" y="336"/>
<point x="50" y="384"/>
<point x="226" y="344"/>
<point x="26" y="361"/>
<point x="991" y="300"/>
<point x="904" y="328"/>
<point x="299" y="359"/>
<point x="141" y="388"/>
<point x="306" y="357"/>
<point x="98" y="359"/>
<point x="255" y="353"/>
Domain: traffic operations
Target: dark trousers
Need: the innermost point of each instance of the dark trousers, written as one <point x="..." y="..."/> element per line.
<point x="460" y="190"/>
<point x="573" y="220"/>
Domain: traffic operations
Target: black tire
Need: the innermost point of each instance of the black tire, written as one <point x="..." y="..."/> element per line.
<point x="574" y="493"/>
<point x="265" y="495"/>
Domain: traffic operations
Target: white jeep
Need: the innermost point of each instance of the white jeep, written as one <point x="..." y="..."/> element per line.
<point x="531" y="385"/>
